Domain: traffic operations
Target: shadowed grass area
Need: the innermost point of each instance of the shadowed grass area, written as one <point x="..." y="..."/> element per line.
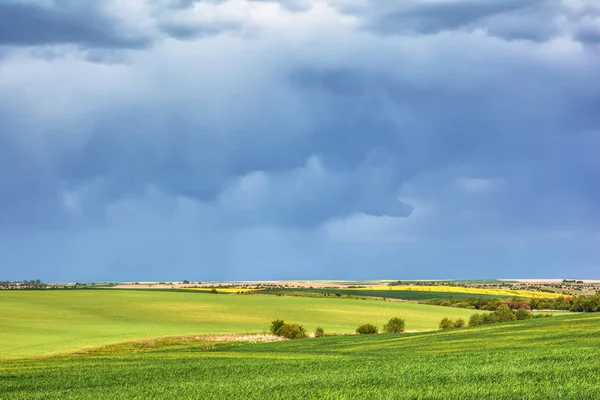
<point x="46" y="322"/>
<point x="556" y="358"/>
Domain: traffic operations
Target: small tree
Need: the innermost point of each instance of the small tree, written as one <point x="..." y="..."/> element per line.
<point x="446" y="323"/>
<point x="394" y="325"/>
<point x="214" y="291"/>
<point x="186" y="281"/>
<point x="319" y="332"/>
<point x="476" y="320"/>
<point x="275" y="326"/>
<point x="522" y="314"/>
<point x="366" y="329"/>
<point x="459" y="323"/>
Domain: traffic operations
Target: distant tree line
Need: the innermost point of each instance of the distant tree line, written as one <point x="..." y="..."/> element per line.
<point x="502" y="314"/>
<point x="452" y="283"/>
<point x="33" y="283"/>
<point x="566" y="303"/>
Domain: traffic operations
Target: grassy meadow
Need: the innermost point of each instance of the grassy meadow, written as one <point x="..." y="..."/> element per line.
<point x="43" y="322"/>
<point x="556" y="358"/>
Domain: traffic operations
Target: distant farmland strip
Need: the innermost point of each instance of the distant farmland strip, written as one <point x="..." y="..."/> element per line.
<point x="459" y="289"/>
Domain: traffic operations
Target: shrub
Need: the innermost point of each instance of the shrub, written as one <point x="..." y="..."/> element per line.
<point x="291" y="331"/>
<point x="489" y="319"/>
<point x="213" y="290"/>
<point x="319" y="332"/>
<point x="459" y="323"/>
<point x="366" y="329"/>
<point x="394" y="325"/>
<point x="476" y="320"/>
<point x="516" y="305"/>
<point x="522" y="314"/>
<point x="504" y="313"/>
<point x="275" y="326"/>
<point x="460" y="305"/>
<point x="446" y="323"/>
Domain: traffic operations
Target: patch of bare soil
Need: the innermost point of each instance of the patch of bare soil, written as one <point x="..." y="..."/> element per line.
<point x="206" y="342"/>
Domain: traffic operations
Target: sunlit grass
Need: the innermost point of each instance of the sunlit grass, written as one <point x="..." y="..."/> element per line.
<point x="47" y="322"/>
<point x="548" y="358"/>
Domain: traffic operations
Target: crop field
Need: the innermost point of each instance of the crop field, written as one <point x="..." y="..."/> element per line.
<point x="556" y="358"/>
<point x="42" y="322"/>
<point x="221" y="290"/>
<point x="468" y="290"/>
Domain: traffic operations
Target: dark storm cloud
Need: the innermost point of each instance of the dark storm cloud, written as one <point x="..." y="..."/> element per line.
<point x="537" y="20"/>
<point x="188" y="31"/>
<point x="436" y="17"/>
<point x="468" y="127"/>
<point x="31" y="24"/>
<point x="588" y="35"/>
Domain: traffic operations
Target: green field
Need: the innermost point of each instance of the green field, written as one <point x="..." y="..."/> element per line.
<point x="557" y="358"/>
<point x="42" y="322"/>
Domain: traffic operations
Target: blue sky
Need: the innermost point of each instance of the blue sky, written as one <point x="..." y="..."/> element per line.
<point x="349" y="139"/>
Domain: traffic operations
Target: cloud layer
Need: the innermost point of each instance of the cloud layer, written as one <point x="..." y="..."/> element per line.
<point x="304" y="139"/>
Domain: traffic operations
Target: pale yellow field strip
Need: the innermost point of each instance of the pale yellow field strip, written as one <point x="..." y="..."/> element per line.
<point x="458" y="289"/>
<point x="222" y="290"/>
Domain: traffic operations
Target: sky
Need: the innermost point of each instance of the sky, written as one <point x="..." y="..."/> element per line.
<point x="302" y="139"/>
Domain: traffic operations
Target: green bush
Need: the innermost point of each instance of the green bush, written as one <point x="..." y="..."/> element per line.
<point x="522" y="314"/>
<point x="319" y="332"/>
<point x="489" y="318"/>
<point x="446" y="323"/>
<point x="275" y="326"/>
<point x="459" y="323"/>
<point x="476" y="320"/>
<point x="366" y="329"/>
<point x="394" y="325"/>
<point x="291" y="331"/>
<point x="213" y="290"/>
<point x="504" y="313"/>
